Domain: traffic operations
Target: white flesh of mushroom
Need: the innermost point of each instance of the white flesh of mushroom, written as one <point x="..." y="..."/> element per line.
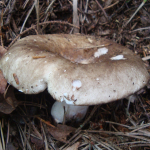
<point x="59" y="109"/>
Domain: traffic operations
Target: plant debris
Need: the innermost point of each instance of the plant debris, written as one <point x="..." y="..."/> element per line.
<point x="25" y="121"/>
<point x="9" y="102"/>
<point x="3" y="83"/>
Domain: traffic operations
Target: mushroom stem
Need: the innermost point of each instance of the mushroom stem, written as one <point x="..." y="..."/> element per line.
<point x="61" y="109"/>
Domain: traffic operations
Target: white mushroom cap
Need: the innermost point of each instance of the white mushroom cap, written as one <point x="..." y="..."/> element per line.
<point x="95" y="70"/>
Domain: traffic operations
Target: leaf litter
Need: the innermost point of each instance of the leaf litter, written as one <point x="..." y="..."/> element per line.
<point x="110" y="126"/>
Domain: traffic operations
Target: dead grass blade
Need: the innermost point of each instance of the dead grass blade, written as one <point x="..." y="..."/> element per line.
<point x="2" y="137"/>
<point x="24" y="140"/>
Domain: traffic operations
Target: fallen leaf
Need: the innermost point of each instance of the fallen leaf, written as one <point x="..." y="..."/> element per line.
<point x="61" y="132"/>
<point x="9" y="101"/>
<point x="74" y="146"/>
<point x="2" y="51"/>
<point x="8" y="104"/>
<point x="3" y="83"/>
<point x="38" y="142"/>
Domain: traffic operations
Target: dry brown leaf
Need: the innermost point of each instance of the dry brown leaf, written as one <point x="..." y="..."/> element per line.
<point x="61" y="132"/>
<point x="2" y="51"/>
<point x="3" y="83"/>
<point x="9" y="101"/>
<point x="74" y="146"/>
<point x="38" y="142"/>
<point x="8" y="104"/>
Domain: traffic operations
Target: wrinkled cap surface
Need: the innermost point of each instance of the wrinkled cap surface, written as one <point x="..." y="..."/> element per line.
<point x="77" y="69"/>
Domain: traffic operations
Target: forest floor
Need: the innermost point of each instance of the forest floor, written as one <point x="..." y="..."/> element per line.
<point x="26" y="122"/>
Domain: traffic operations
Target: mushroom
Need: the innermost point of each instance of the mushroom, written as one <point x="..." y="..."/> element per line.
<point x="61" y="112"/>
<point x="78" y="70"/>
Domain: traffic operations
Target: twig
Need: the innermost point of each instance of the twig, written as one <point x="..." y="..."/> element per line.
<point x="51" y="143"/>
<point x="2" y="136"/>
<point x="7" y="7"/>
<point x="8" y="129"/>
<point x="84" y="17"/>
<point x="25" y="3"/>
<point x="96" y="11"/>
<point x="144" y="132"/>
<point x="128" y="134"/>
<point x="6" y="91"/>
<point x="102" y="9"/>
<point x="45" y="139"/>
<point x="37" y="133"/>
<point x="31" y="104"/>
<point x="85" y="122"/>
<point x="49" y="6"/>
<point x="108" y="141"/>
<point x="83" y="12"/>
<point x="140" y="29"/>
<point x="104" y="144"/>
<point x="1" y="145"/>
<point x="111" y="5"/>
<point x="75" y="16"/>
<point x="135" y="142"/>
<point x="22" y="135"/>
<point x="145" y="38"/>
<point x="142" y="4"/>
<point x="31" y="9"/>
<point x="34" y="26"/>
<point x="117" y="11"/>
<point x="140" y="133"/>
<point x="141" y="127"/>
<point x="10" y="12"/>
<point x="139" y="145"/>
<point x="118" y="124"/>
<point x="69" y="142"/>
<point x="46" y="122"/>
<point x="37" y="13"/>
<point x="48" y="12"/>
<point x="1" y="23"/>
